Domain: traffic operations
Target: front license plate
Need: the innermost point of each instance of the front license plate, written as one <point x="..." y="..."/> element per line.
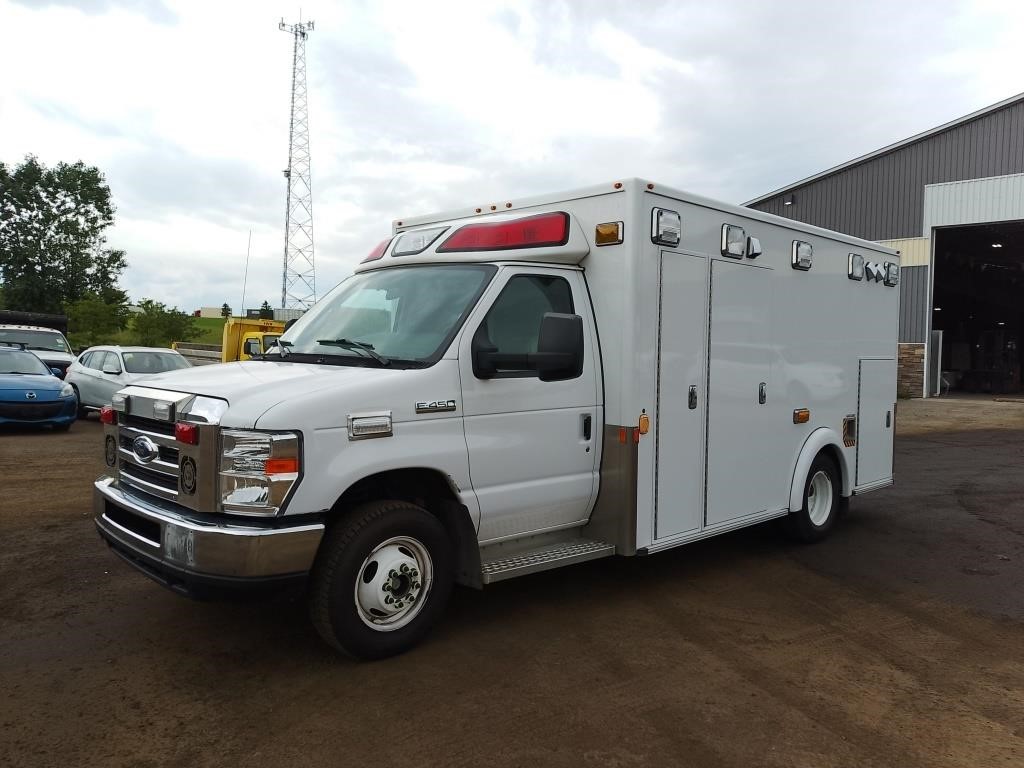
<point x="179" y="545"/>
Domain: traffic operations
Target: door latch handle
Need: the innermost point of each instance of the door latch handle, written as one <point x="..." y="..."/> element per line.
<point x="762" y="393"/>
<point x="586" y="426"/>
<point x="693" y="398"/>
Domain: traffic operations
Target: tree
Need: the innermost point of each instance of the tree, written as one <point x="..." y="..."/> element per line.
<point x="52" y="245"/>
<point x="158" y="326"/>
<point x="225" y="311"/>
<point x="91" y="320"/>
<point x="266" y="311"/>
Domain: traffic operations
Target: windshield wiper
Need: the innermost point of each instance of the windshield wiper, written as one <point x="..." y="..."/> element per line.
<point x="355" y="345"/>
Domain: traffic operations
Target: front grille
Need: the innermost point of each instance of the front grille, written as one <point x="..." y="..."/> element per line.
<point x="146" y="425"/>
<point x="164" y="480"/>
<point x="159" y="476"/>
<point x="30" y="411"/>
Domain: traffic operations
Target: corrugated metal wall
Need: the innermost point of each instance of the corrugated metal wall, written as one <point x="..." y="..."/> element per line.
<point x="974" y="201"/>
<point x="913" y="304"/>
<point x="883" y="197"/>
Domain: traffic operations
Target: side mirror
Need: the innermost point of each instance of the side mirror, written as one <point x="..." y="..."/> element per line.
<point x="560" y="347"/>
<point x="57" y="372"/>
<point x="112" y="368"/>
<point x="559" y="352"/>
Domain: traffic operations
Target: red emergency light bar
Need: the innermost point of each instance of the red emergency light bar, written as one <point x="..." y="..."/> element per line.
<point x="377" y="252"/>
<point x="543" y="230"/>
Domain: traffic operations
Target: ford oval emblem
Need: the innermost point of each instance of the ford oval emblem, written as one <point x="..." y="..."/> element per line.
<point x="145" y="450"/>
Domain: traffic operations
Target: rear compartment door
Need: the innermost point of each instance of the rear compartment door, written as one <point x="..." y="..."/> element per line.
<point x="876" y="398"/>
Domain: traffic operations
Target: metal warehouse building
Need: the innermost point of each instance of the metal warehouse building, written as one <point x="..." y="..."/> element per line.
<point x="951" y="200"/>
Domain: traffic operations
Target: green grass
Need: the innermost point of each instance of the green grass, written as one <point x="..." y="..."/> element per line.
<point x="211" y="330"/>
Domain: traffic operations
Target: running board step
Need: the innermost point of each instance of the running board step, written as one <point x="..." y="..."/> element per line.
<point x="545" y="558"/>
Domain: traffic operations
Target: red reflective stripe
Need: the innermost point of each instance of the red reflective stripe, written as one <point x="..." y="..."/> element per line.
<point x="545" y="229"/>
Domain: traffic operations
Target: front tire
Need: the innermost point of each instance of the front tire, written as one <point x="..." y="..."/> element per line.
<point x="381" y="579"/>
<point x="822" y="502"/>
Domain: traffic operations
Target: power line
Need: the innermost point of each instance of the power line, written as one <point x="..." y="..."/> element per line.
<point x="298" y="281"/>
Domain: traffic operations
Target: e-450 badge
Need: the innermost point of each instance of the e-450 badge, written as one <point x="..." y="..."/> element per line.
<point x="435" y="406"/>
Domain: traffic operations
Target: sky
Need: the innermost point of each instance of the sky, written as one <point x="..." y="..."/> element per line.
<point x="417" y="107"/>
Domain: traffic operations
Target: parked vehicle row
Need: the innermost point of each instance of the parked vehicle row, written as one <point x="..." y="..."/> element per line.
<point x="31" y="371"/>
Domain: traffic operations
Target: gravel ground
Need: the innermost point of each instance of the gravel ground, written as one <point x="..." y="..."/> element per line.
<point x="899" y="641"/>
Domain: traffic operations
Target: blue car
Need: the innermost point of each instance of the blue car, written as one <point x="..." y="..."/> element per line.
<point x="30" y="393"/>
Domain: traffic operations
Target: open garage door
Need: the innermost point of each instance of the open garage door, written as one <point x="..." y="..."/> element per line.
<point x="978" y="304"/>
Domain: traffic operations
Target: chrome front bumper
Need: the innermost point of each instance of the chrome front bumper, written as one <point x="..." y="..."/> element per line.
<point x="182" y="550"/>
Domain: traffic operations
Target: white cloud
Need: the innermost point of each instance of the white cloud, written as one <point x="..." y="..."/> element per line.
<point x="416" y="107"/>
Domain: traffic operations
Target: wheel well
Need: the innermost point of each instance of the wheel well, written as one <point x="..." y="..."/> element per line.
<point x="833" y="453"/>
<point x="431" y="490"/>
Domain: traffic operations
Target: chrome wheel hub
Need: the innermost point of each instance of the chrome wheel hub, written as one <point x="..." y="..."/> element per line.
<point x="393" y="583"/>
<point x="819" y="498"/>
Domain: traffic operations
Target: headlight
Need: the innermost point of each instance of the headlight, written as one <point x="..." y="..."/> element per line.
<point x="67" y="390"/>
<point x="257" y="470"/>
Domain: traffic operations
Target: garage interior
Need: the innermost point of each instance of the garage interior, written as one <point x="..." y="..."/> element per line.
<point x="978" y="305"/>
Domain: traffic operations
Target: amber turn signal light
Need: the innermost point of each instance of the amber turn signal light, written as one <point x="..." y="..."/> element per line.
<point x="801" y="416"/>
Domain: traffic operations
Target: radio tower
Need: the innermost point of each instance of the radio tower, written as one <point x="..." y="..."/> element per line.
<point x="298" y="283"/>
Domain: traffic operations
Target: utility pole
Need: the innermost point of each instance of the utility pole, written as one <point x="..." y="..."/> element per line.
<point x="298" y="282"/>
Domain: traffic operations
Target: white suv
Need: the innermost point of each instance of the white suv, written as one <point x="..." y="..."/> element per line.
<point x="100" y="371"/>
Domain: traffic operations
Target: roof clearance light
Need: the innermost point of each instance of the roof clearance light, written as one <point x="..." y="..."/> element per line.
<point x="855" y="266"/>
<point x="377" y="252"/>
<point x="609" y="233"/>
<point x="410" y="243"/>
<point x="541" y="231"/>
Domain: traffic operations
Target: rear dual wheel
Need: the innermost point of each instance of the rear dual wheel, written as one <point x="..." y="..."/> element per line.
<point x="381" y="579"/>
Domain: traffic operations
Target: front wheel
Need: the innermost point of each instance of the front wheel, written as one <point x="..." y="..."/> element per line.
<point x="381" y="579"/>
<point x="822" y="502"/>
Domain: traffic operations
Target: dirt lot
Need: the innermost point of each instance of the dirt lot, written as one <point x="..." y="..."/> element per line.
<point x="897" y="642"/>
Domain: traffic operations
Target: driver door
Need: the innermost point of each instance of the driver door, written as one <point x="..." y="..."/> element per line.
<point x="533" y="450"/>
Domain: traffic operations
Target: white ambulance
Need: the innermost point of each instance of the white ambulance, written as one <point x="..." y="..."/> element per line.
<point x="511" y="388"/>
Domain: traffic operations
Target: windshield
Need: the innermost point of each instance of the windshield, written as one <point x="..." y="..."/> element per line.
<point x="402" y="315"/>
<point x="16" y="361"/>
<point x="49" y="341"/>
<point x="152" y="362"/>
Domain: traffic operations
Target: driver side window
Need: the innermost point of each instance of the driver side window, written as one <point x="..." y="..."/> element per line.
<point x="512" y="326"/>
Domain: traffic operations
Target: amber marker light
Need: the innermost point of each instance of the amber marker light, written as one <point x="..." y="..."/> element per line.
<point x="801" y="416"/>
<point x="645" y="424"/>
<point x="609" y="233"/>
<point x="281" y="466"/>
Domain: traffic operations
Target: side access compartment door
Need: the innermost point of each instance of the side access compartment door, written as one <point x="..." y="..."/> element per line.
<point x="876" y="398"/>
<point x="533" y="445"/>
<point x="682" y="398"/>
<point x="745" y="475"/>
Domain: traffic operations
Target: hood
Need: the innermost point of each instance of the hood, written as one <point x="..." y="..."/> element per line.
<point x="253" y="387"/>
<point x="19" y="382"/>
